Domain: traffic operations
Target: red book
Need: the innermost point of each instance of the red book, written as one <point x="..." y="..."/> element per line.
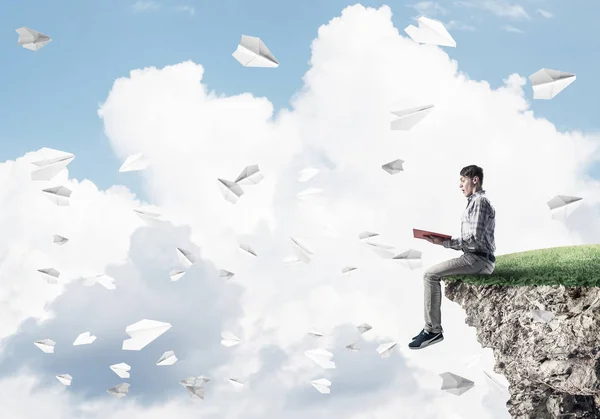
<point x="419" y="234"/>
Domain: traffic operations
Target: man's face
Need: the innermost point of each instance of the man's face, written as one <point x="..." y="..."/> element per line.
<point x="467" y="186"/>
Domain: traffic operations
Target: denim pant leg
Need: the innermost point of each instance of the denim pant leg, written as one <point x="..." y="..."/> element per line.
<point x="466" y="264"/>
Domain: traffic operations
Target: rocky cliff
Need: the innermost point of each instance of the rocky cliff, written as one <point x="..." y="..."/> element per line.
<point x="553" y="367"/>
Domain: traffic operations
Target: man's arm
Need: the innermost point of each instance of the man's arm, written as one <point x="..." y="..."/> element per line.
<point x="477" y="224"/>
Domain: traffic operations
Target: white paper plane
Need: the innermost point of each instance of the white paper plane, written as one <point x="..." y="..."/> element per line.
<point x="363" y="328"/>
<point x="225" y="274"/>
<point x="348" y="269"/>
<point x="315" y="333"/>
<point x="59" y="195"/>
<point x="322" y="385"/>
<point x="367" y="234"/>
<point x="309" y="193"/>
<point x="197" y="391"/>
<point x="385" y="349"/>
<point x="252" y="52"/>
<point x="50" y="275"/>
<point x="176" y="275"/>
<point x="186" y="258"/>
<point x="383" y="250"/>
<point x="59" y="240"/>
<point x="547" y="83"/>
<point x="353" y="347"/>
<point x="455" y="384"/>
<point x="562" y="206"/>
<point x="236" y="383"/>
<point x="393" y="167"/>
<point x="498" y="385"/>
<point x="134" y="163"/>
<point x="231" y="191"/>
<point x="64" y="379"/>
<point x="84" y="339"/>
<point x="32" y="40"/>
<point x="195" y="381"/>
<point x="411" y="258"/>
<point x="251" y="175"/>
<point x="120" y="390"/>
<point x="321" y="357"/>
<point x="106" y="281"/>
<point x="247" y="249"/>
<point x="291" y="260"/>
<point x="168" y="358"/>
<point x="229" y="339"/>
<point x="51" y="164"/>
<point x="542" y="316"/>
<point x="302" y="252"/>
<point x="307" y="174"/>
<point x="408" y="118"/>
<point x="122" y="369"/>
<point x="430" y="32"/>
<point x="142" y="333"/>
<point x="148" y="216"/>
<point x="46" y="345"/>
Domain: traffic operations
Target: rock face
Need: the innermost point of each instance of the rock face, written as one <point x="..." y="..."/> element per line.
<point x="553" y="367"/>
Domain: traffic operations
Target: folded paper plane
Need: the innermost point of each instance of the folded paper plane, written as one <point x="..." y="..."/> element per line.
<point x="385" y="349"/>
<point x="383" y="250"/>
<point x="236" y="383"/>
<point x="142" y="333"/>
<point x="322" y="385"/>
<point x="31" y="39"/>
<point x="122" y="369"/>
<point x="430" y="32"/>
<point x="303" y="254"/>
<point x="46" y="345"/>
<point x="252" y="52"/>
<point x="106" y="281"/>
<point x="321" y="357"/>
<point x="231" y="191"/>
<point x="547" y="83"/>
<point x="148" y="216"/>
<point x="52" y="162"/>
<point x="84" y="339"/>
<point x="363" y="328"/>
<point x="408" y="118"/>
<point x="315" y="333"/>
<point x="59" y="240"/>
<point x="120" y="390"/>
<point x="229" y="339"/>
<point x="251" y="175"/>
<point x="353" y="347"/>
<point x="410" y="258"/>
<point x="186" y="258"/>
<point x="563" y="206"/>
<point x="168" y="358"/>
<point x="348" y="269"/>
<point x="247" y="249"/>
<point x="59" y="195"/>
<point x="64" y="379"/>
<point x="225" y="274"/>
<point x="393" y="167"/>
<point x="176" y="275"/>
<point x="455" y="384"/>
<point x="50" y="275"/>
<point x="134" y="163"/>
<point x="366" y="235"/>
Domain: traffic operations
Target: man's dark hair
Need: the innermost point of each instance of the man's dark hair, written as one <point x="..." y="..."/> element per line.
<point x="472" y="171"/>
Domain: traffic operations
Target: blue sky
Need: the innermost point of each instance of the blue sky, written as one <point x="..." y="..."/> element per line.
<point x="50" y="97"/>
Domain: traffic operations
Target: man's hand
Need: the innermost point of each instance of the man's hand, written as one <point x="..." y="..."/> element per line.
<point x="434" y="240"/>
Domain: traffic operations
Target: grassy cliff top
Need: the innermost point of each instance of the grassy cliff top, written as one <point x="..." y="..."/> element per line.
<point x="571" y="266"/>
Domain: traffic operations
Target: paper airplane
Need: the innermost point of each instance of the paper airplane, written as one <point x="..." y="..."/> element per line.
<point x="411" y="257"/>
<point x="353" y="347"/>
<point x="315" y="333"/>
<point x="53" y="162"/>
<point x="134" y="163"/>
<point x="455" y="384"/>
<point x="142" y="333"/>
<point x="562" y="206"/>
<point x="225" y="274"/>
<point x="247" y="249"/>
<point x="393" y="167"/>
<point x="430" y="32"/>
<point x="321" y="357"/>
<point x="548" y="83"/>
<point x="251" y="175"/>
<point x="322" y="385"/>
<point x="385" y="349"/>
<point x="31" y="39"/>
<point x="59" y="240"/>
<point x="148" y="216"/>
<point x="408" y="118"/>
<point x="252" y="52"/>
<point x="59" y="195"/>
<point x="84" y="339"/>
<point x="236" y="383"/>
<point x="186" y="258"/>
<point x="50" y="275"/>
<point x="195" y="381"/>
<point x="120" y="390"/>
<point x="122" y="369"/>
<point x="303" y="254"/>
<point x="229" y="339"/>
<point x="499" y="386"/>
<point x="383" y="250"/>
<point x="46" y="345"/>
<point x="64" y="379"/>
<point x="364" y="328"/>
<point x="367" y="234"/>
<point x="197" y="391"/>
<point x="231" y="191"/>
<point x="542" y="316"/>
<point x="176" y="275"/>
<point x="309" y="193"/>
<point x="106" y="281"/>
<point x="348" y="269"/>
<point x="307" y="174"/>
<point x="168" y="358"/>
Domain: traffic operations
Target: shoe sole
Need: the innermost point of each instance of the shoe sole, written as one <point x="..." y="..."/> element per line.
<point x="428" y="343"/>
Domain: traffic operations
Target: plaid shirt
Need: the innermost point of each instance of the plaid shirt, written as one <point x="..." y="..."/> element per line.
<point x="477" y="226"/>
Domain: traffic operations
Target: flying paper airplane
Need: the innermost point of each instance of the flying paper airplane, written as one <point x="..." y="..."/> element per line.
<point x="229" y="339"/>
<point x="225" y="274"/>
<point x="51" y="164"/>
<point x="106" y="281"/>
<point x="247" y="249"/>
<point x="134" y="163"/>
<point x="46" y="345"/>
<point x="408" y="118"/>
<point x="59" y="240"/>
<point x="315" y="333"/>
<point x="122" y="369"/>
<point x="348" y="269"/>
<point x="64" y="379"/>
<point x="50" y="275"/>
<point x="148" y="216"/>
<point x="562" y="206"/>
<point x="321" y="357"/>
<point x="168" y="358"/>
<point x="252" y="52"/>
<point x="251" y="175"/>
<point x="455" y="384"/>
<point x="411" y="257"/>
<point x="236" y="383"/>
<point x="176" y="275"/>
<point x="364" y="328"/>
<point x="430" y="32"/>
<point x="186" y="258"/>
<point x="120" y="390"/>
<point x="393" y="167"/>
<point x="194" y="381"/>
<point x="31" y="39"/>
<point x="548" y="83"/>
<point x="303" y="254"/>
<point x="367" y="234"/>
<point x="353" y="347"/>
<point x="322" y="385"/>
<point x="383" y="250"/>
<point x="84" y="339"/>
<point x="142" y="333"/>
<point x="59" y="195"/>
<point x="231" y="191"/>
<point x="499" y="386"/>
<point x="197" y="391"/>
<point x="385" y="349"/>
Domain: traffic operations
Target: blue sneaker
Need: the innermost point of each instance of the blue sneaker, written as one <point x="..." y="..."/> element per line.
<point x="425" y="339"/>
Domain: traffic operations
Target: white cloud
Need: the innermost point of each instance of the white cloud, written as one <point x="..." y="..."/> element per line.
<point x="145" y="6"/>
<point x="193" y="136"/>
<point x="544" y="13"/>
<point x="429" y="8"/>
<point x="512" y="29"/>
<point x="501" y="8"/>
<point x="186" y="9"/>
<point x="458" y="26"/>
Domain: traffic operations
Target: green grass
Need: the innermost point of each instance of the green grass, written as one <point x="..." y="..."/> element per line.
<point x="571" y="266"/>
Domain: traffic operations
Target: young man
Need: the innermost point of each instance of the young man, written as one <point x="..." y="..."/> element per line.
<point x="477" y="243"/>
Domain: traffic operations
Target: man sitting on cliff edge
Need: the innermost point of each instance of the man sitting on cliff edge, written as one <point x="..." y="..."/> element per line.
<point x="477" y="243"/>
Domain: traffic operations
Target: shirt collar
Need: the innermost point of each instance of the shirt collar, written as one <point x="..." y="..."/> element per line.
<point x="480" y="192"/>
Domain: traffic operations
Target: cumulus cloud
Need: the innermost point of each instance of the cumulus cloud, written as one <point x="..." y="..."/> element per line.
<point x="500" y="8"/>
<point x="340" y="123"/>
